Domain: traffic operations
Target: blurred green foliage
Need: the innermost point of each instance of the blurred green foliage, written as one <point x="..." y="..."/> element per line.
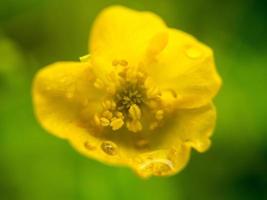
<point x="36" y="165"/>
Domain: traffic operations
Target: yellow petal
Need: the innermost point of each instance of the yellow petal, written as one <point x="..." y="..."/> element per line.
<point x="120" y="33"/>
<point x="63" y="96"/>
<point x="144" y="157"/>
<point x="186" y="67"/>
<point x="67" y="102"/>
<point x="163" y="162"/>
<point x="163" y="153"/>
<point x="192" y="127"/>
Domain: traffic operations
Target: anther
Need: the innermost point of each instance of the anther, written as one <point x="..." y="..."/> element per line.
<point x="104" y="121"/>
<point x="119" y="115"/>
<point x="134" y="126"/>
<point x="135" y="112"/>
<point x="107" y="105"/>
<point x="116" y="123"/>
<point x="107" y="114"/>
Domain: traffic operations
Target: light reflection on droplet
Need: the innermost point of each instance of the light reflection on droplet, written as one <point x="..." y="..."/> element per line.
<point x="109" y="148"/>
<point x="157" y="167"/>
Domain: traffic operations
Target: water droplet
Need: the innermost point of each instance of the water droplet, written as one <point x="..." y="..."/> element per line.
<point x="158" y="167"/>
<point x="89" y="146"/>
<point x="193" y="52"/>
<point x="109" y="148"/>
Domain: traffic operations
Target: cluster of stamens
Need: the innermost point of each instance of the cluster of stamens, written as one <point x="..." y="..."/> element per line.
<point x="129" y="95"/>
<point x="129" y="91"/>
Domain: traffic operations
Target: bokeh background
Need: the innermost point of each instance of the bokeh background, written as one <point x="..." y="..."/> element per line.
<point x="37" y="166"/>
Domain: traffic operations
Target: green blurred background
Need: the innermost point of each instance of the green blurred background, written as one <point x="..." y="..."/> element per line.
<point x="37" y="166"/>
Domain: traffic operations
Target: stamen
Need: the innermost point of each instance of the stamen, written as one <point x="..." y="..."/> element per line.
<point x="135" y="112"/>
<point x="104" y="121"/>
<point x="109" y="105"/>
<point x="129" y="91"/>
<point x="119" y="115"/>
<point x="116" y="123"/>
<point x="107" y="114"/>
<point x="134" y="126"/>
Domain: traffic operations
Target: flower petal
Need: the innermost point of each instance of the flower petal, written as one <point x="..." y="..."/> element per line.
<point x="171" y="145"/>
<point x="185" y="67"/>
<point x="164" y="162"/>
<point x="62" y="92"/>
<point x="162" y="153"/>
<point x="192" y="127"/>
<point x="120" y="33"/>
<point x="144" y="160"/>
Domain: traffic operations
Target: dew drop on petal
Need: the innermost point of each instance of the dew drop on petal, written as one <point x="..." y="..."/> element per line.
<point x="158" y="167"/>
<point x="109" y="148"/>
<point x="193" y="52"/>
<point x="89" y="146"/>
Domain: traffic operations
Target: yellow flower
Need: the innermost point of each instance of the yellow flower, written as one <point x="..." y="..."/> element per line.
<point x="142" y="98"/>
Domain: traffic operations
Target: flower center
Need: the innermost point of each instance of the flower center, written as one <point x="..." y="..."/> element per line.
<point x="129" y="95"/>
<point x="129" y="92"/>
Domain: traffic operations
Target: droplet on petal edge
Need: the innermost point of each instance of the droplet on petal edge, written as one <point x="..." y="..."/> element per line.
<point x="157" y="163"/>
<point x="89" y="146"/>
<point x="157" y="167"/>
<point x="109" y="148"/>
